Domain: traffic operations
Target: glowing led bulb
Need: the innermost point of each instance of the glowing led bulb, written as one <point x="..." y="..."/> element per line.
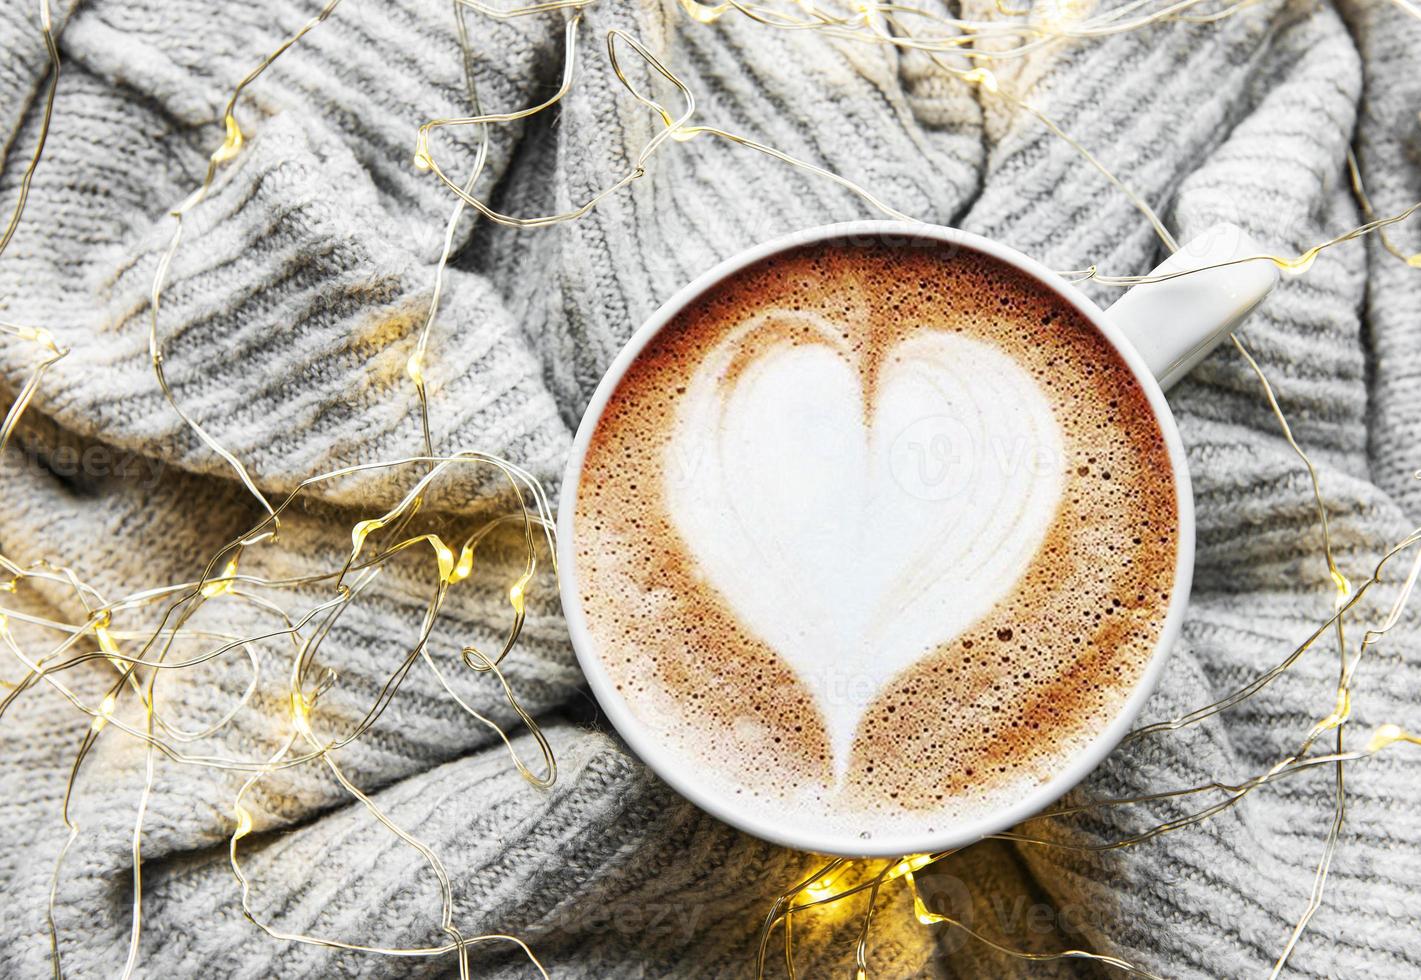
<point x="107" y="643"/>
<point x="244" y="823"/>
<point x="232" y="145"/>
<point x="822" y="887"/>
<point x="921" y="913"/>
<point x="1341" y="711"/>
<point x="465" y="564"/>
<point x="703" y="13"/>
<point x="982" y="77"/>
<point x="422" y="160"/>
<point x="38" y="335"/>
<point x="444" y="556"/>
<point x="1061" y="14"/>
<point x="106" y="707"/>
<point x="300" y="713"/>
<point x="518" y="592"/>
<point x="909" y="864"/>
<point x="1389" y="735"/>
<point x="223" y="583"/>
<point x="1299" y="265"/>
<point x="1384" y="736"/>
<point x="414" y="367"/>
<point x="362" y="530"/>
<point x="1344" y="585"/>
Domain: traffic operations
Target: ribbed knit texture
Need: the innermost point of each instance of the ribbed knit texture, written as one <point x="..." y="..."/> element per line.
<point x="289" y="314"/>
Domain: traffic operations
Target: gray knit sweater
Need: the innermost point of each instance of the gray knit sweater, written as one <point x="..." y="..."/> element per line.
<point x="293" y="305"/>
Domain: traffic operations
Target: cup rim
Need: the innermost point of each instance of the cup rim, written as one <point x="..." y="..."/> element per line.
<point x="672" y="768"/>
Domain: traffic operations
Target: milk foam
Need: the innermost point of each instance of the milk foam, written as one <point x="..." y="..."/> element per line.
<point x="856" y="521"/>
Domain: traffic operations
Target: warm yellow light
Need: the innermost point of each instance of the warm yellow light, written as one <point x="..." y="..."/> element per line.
<point x="362" y="530"/>
<point x="1344" y="585"/>
<point x="517" y="593"/>
<point x="223" y="583"/>
<point x="232" y="145"/>
<point x="40" y="336"/>
<point x="106" y="641"/>
<point x="703" y="13"/>
<point x="1389" y="734"/>
<point x="982" y="77"/>
<point x="300" y="713"/>
<point x="465" y="564"/>
<point x="1300" y="264"/>
<point x="920" y="909"/>
<point x="1341" y="711"/>
<point x="1061" y="14"/>
<point x="444" y="556"/>
<point x="908" y="865"/>
<point x="106" y="708"/>
<point x="822" y="887"/>
<point x="422" y="160"/>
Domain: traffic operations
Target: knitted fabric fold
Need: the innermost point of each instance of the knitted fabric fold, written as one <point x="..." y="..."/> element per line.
<point x="287" y="319"/>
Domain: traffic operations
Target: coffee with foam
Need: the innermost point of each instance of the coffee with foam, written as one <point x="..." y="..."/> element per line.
<point x="876" y="538"/>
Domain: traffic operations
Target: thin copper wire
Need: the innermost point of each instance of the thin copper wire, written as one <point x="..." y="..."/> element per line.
<point x="46" y="25"/>
<point x="37" y="335"/>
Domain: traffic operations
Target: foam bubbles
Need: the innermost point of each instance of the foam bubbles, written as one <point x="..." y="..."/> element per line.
<point x="974" y="711"/>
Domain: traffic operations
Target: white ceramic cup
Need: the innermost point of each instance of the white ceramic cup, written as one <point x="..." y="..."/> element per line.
<point x="1160" y="329"/>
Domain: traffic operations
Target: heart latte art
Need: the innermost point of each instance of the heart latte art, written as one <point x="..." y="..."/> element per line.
<point x="853" y="530"/>
<point x="875" y="538"/>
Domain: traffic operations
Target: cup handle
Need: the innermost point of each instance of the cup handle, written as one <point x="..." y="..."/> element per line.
<point x="1173" y="324"/>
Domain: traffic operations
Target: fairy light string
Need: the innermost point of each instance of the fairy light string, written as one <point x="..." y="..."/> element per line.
<point x="157" y="646"/>
<point x="50" y="350"/>
<point x="46" y="27"/>
<point x="133" y="656"/>
<point x="226" y="152"/>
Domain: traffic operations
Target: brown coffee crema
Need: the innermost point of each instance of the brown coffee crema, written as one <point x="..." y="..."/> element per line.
<point x="987" y="714"/>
